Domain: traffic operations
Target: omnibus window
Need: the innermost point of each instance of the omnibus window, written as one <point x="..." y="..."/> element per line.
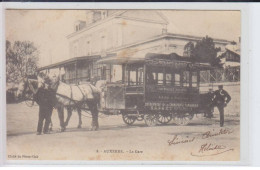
<point x="132" y="78"/>
<point x="140" y="76"/>
<point x="160" y="79"/>
<point x="168" y="79"/>
<point x="194" y="79"/>
<point x="177" y="79"/>
<point x="108" y="72"/>
<point x="116" y="73"/>
<point x="186" y="79"/>
<point x="151" y="77"/>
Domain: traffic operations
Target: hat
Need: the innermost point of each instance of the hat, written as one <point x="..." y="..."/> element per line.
<point x="220" y="86"/>
<point x="47" y="80"/>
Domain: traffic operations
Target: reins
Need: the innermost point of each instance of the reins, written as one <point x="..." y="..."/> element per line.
<point x="31" y="88"/>
<point x="30" y="85"/>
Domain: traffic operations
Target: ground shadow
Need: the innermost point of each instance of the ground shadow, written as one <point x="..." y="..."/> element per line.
<point x="139" y="125"/>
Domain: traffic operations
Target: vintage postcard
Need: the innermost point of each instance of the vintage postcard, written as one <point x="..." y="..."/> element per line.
<point x="123" y="85"/>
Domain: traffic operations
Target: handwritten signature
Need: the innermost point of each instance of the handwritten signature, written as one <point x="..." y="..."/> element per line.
<point x="176" y="140"/>
<point x="206" y="149"/>
<point x="210" y="134"/>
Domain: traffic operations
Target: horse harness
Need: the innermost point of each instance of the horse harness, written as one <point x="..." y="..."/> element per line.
<point x="71" y="101"/>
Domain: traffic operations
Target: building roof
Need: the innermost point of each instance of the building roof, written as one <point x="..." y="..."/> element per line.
<point x="142" y="57"/>
<point x="124" y="57"/>
<point x="233" y="48"/>
<point x="144" y="15"/>
<point x="69" y="61"/>
<point x="132" y="56"/>
<point x="167" y="35"/>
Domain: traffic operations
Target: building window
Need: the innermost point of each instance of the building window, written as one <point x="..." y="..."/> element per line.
<point x="104" y="14"/>
<point x="88" y="48"/>
<point x="96" y="16"/>
<point x="77" y="27"/>
<point x="172" y="47"/>
<point x="103" y="43"/>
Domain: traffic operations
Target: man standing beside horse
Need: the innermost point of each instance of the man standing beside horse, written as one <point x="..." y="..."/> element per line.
<point x="30" y="88"/>
<point x="50" y="92"/>
<point x="44" y="97"/>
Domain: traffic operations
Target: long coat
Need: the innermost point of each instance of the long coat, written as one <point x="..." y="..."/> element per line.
<point x="45" y="98"/>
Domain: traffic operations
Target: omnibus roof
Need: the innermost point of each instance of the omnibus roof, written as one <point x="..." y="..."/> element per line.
<point x="172" y="60"/>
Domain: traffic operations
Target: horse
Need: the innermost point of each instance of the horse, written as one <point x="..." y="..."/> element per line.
<point x="75" y="97"/>
<point x="27" y="89"/>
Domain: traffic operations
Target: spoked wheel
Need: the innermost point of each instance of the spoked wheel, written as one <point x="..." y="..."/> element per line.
<point x="164" y="118"/>
<point x="150" y="119"/>
<point x="183" y="119"/>
<point x="128" y="119"/>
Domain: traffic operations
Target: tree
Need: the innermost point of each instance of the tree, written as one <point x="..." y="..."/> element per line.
<point x="189" y="49"/>
<point x="21" y="59"/>
<point x="205" y="51"/>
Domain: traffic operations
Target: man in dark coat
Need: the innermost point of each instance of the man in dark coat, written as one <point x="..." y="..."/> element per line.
<point x="209" y="108"/>
<point x="45" y="99"/>
<point x="221" y="99"/>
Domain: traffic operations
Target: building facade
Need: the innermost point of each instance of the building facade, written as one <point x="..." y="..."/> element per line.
<point x="125" y="34"/>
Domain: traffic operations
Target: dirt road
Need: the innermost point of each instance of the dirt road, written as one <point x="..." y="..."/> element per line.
<point x="202" y="139"/>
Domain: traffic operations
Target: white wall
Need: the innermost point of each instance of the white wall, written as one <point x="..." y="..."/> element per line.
<point x="113" y="33"/>
<point x="135" y="31"/>
<point x="93" y="40"/>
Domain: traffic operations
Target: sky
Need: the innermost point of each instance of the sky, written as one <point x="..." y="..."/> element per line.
<point x="48" y="28"/>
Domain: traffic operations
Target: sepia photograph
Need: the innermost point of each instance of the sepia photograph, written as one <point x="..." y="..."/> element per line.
<point x="123" y="84"/>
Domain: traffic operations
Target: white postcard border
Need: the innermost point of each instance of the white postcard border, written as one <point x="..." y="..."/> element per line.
<point x="245" y="83"/>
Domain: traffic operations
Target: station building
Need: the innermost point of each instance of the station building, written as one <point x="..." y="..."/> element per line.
<point x="118" y="35"/>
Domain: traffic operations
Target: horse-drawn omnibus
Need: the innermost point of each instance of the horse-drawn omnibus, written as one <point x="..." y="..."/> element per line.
<point x="156" y="88"/>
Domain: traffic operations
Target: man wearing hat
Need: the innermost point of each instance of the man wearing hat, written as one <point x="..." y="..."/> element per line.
<point x="45" y="98"/>
<point x="221" y="99"/>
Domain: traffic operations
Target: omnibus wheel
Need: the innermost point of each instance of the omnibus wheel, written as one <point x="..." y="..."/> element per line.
<point x="183" y="119"/>
<point x="164" y="118"/>
<point x="150" y="119"/>
<point x="129" y="120"/>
